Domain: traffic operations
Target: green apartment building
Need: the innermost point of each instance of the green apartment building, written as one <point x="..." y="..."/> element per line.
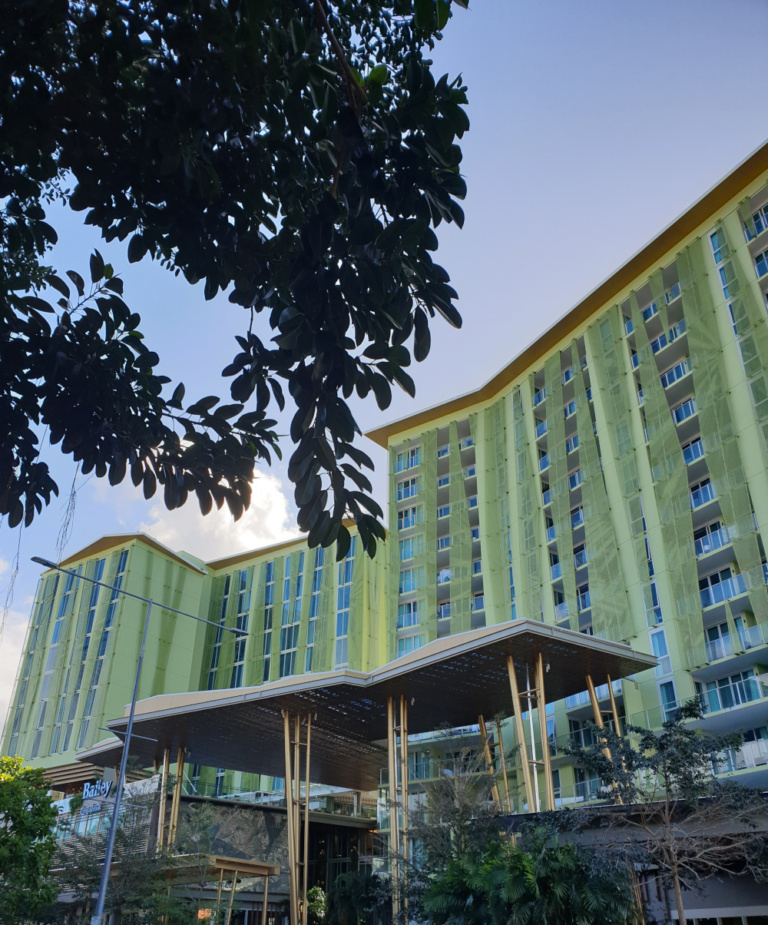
<point x="612" y="479"/>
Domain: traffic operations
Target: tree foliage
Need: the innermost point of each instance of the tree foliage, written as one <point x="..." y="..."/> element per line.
<point x="26" y="841"/>
<point x="535" y="883"/>
<point x="682" y="820"/>
<point x="295" y="154"/>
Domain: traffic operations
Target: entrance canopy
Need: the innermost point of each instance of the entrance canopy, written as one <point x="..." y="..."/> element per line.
<point x="449" y="682"/>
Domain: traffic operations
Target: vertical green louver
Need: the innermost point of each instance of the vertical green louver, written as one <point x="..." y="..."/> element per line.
<point x="461" y="546"/>
<point x="525" y="513"/>
<point x="428" y="557"/>
<point x="610" y="610"/>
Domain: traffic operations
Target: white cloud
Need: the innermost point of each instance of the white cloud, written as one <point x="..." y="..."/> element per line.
<point x="216" y="535"/>
<point x="11" y="646"/>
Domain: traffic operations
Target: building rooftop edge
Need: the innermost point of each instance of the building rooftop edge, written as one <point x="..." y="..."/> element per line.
<point x="644" y="259"/>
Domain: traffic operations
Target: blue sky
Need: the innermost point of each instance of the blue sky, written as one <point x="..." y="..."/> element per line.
<point x="594" y="124"/>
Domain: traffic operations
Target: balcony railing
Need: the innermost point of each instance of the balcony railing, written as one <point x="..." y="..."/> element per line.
<point x="541" y="428"/>
<point x="722" y="591"/>
<point x="750" y="755"/>
<point x="601" y="692"/>
<point x="543" y="462"/>
<point x="550" y="534"/>
<point x="693" y="452"/>
<point x="684" y="411"/>
<point x="726" y="696"/>
<point x="580" y="559"/>
<point x="702" y="495"/>
<point x="556" y="571"/>
<point x="712" y="541"/>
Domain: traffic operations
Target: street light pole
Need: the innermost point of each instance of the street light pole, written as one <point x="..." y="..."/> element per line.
<point x="98" y="916"/>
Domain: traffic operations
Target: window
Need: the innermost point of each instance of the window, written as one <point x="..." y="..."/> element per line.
<point x="443" y="576"/>
<point x="443" y="451"/>
<point x="550" y="524"/>
<point x="569" y="409"/>
<point x="684" y="410"/>
<point x="628" y="326"/>
<point x="574" y="480"/>
<point x="718" y="246"/>
<point x="407" y="489"/>
<point x="660" y="650"/>
<point x="543" y="460"/>
<point x="407" y="518"/>
<point x="676" y="372"/>
<point x="314" y="606"/>
<point x="760" y="219"/>
<point x="572" y="443"/>
<point x="443" y="481"/>
<point x="579" y="556"/>
<point x="466" y="442"/>
<point x="668" y="700"/>
<point x="343" y="595"/>
<point x="649" y="311"/>
<point x="444" y="611"/>
<point x="408" y="459"/>
<point x="477" y="566"/>
<point x="413" y="546"/>
<point x="407" y="644"/>
<point x="720" y="586"/>
<point x="407" y="580"/>
<point x="472" y="501"/>
<point x="761" y="264"/>
<point x="291" y="619"/>
<point x="539" y="396"/>
<point x="475" y="531"/>
<point x="708" y="539"/>
<point x="478" y="602"/>
<point x="554" y="566"/>
<point x="407" y="614"/>
<point x="443" y="542"/>
<point x="269" y="598"/>
<point x="243" y="604"/>
<point x="577" y="517"/>
<point x="701" y="493"/>
<point x="470" y="471"/>
<point x="546" y="495"/>
<point x="541" y="428"/>
<point x="582" y="597"/>
<point x="672" y="293"/>
<point x="692" y="451"/>
<point x="732" y="691"/>
<point x="443" y="510"/>
<point x="718" y="642"/>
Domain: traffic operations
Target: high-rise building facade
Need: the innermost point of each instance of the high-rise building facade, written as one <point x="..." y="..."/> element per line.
<point x="613" y="480"/>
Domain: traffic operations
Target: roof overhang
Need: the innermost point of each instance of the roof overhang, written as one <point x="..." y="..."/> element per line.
<point x="449" y="682"/>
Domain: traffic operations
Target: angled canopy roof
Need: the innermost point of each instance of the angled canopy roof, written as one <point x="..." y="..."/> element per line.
<point x="448" y="682"/>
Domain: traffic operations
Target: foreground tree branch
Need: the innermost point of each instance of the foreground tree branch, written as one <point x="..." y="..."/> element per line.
<point x="300" y="167"/>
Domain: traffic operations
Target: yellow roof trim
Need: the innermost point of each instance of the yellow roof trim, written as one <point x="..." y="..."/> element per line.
<point x="641" y="264"/>
<point x="105" y="543"/>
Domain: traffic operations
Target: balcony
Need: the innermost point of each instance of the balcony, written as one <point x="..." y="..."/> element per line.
<point x="546" y="497"/>
<point x="693" y="451"/>
<point x="551" y="534"/>
<point x="676" y="373"/>
<point x="750" y="755"/>
<point x="541" y="429"/>
<point x="577" y="519"/>
<point x="580" y="559"/>
<point x="544" y="462"/>
<point x="672" y="293"/>
<point x="725" y="696"/>
<point x="722" y="591"/>
<point x="556" y="571"/>
<point x="539" y="396"/>
<point x="702" y="495"/>
<point x="561" y="612"/>
<point x="444" y="611"/>
<point x="601" y="692"/>
<point x="761" y="264"/>
<point x="712" y="541"/>
<point x="583" y="601"/>
<point x="684" y="411"/>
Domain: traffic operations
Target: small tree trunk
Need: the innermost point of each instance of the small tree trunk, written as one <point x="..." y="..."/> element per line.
<point x="682" y="920"/>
